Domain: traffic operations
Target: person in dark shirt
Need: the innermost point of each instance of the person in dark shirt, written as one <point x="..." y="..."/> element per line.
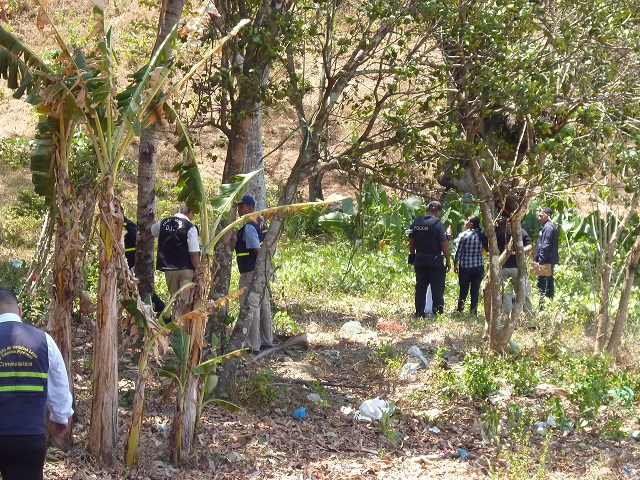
<point x="546" y="251"/>
<point x="509" y="271"/>
<point x="248" y="246"/>
<point x="427" y="245"/>
<point x="130" y="238"/>
<point x="468" y="262"/>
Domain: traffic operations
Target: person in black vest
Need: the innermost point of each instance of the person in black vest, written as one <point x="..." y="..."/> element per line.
<point x="248" y="245"/>
<point x="178" y="248"/>
<point x="32" y="378"/>
<point x="427" y="244"/>
<point x="130" y="237"/>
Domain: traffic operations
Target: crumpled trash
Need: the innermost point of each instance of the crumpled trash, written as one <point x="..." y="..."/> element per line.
<point x="17" y="263"/>
<point x="351" y="328"/>
<point x="300" y="413"/>
<point x="463" y="453"/>
<point x="434" y="429"/>
<point x="408" y="371"/>
<point x="541" y="427"/>
<point x="635" y="434"/>
<point x="416" y="352"/>
<point x="626" y="469"/>
<point x="314" y="397"/>
<point x="373" y="409"/>
<point x="345" y="410"/>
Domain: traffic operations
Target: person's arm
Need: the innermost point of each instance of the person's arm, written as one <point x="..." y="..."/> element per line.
<point x="251" y="238"/>
<point x="545" y="246"/>
<point x="193" y="247"/>
<point x="459" y="249"/>
<point x="445" y="249"/>
<point x="59" y="398"/>
<point x="155" y="228"/>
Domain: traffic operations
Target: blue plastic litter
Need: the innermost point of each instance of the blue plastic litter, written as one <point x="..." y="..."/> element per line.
<point x="300" y="413"/>
<point x="463" y="453"/>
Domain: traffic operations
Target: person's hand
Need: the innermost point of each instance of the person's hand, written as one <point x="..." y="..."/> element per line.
<point x="448" y="265"/>
<point x="411" y="258"/>
<point x="58" y="429"/>
<point x="456" y="268"/>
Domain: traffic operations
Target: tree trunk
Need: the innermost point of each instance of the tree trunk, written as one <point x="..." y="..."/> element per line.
<point x="146" y="213"/>
<point x="315" y="187"/>
<point x="254" y="160"/>
<point x="623" y="307"/>
<point x="104" y="408"/>
<point x="258" y="283"/>
<point x="170" y="13"/>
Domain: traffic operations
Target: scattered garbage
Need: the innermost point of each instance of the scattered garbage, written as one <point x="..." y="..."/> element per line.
<point x="541" y="427"/>
<point x="463" y="453"/>
<point x="416" y="352"/>
<point x="408" y="371"/>
<point x="345" y="410"/>
<point x="351" y="328"/>
<point x="300" y="413"/>
<point x="391" y="326"/>
<point x="16" y="263"/>
<point x="373" y="409"/>
<point x="314" y="397"/>
<point x="434" y="429"/>
<point x="162" y="427"/>
<point x="626" y="469"/>
<point x="635" y="434"/>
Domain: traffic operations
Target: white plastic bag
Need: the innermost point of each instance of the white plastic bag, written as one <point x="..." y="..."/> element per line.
<point x="373" y="409"/>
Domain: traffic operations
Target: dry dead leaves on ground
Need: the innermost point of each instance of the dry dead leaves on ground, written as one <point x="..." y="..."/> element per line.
<point x="435" y="439"/>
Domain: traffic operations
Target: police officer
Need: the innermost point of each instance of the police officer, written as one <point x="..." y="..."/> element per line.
<point x="32" y="378"/>
<point x="130" y="237"/>
<point x="427" y="244"/>
<point x="178" y="248"/>
<point x="248" y="245"/>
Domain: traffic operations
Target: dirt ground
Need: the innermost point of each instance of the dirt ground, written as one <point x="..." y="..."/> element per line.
<point x="264" y="440"/>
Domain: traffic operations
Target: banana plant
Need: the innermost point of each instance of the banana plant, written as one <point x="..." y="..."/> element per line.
<point x="81" y="89"/>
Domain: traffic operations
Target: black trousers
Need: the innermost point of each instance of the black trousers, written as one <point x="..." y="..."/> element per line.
<point x="469" y="279"/>
<point x="22" y="456"/>
<point x="434" y="276"/>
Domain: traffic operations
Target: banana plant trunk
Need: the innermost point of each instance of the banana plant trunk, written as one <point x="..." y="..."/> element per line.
<point x="188" y="407"/>
<point x="104" y="411"/>
<point x="66" y="276"/>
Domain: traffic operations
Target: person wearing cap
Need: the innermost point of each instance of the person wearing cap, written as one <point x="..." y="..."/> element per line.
<point x="427" y="245"/>
<point x="33" y="378"/>
<point x="546" y="251"/>
<point x="248" y="245"/>
<point x="468" y="262"/>
<point x="178" y="248"/>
